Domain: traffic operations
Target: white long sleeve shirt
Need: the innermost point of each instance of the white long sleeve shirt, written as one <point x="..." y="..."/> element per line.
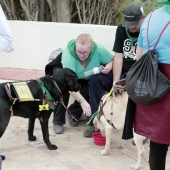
<point x="6" y="39"/>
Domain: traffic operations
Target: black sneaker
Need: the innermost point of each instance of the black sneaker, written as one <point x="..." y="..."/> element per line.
<point x="88" y="133"/>
<point x="72" y="121"/>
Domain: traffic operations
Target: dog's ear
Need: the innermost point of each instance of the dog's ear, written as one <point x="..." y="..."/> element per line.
<point x="73" y="84"/>
<point x="70" y="72"/>
<point x="71" y="79"/>
<point x="59" y="77"/>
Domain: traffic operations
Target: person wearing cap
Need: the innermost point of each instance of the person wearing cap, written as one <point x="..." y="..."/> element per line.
<point x="126" y="40"/>
<point x="125" y="51"/>
<point x="153" y="120"/>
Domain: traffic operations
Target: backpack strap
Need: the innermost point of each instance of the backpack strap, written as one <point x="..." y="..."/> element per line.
<point x="159" y="35"/>
<point x="148" y="30"/>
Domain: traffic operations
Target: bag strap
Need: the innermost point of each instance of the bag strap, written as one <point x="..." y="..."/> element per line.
<point x="159" y="35"/>
<point x="148" y="30"/>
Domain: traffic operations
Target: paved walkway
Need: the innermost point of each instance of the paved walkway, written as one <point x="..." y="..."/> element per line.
<point x="20" y="74"/>
<point x="74" y="151"/>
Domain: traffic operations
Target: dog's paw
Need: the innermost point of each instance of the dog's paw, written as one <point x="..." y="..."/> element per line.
<point x="52" y="147"/>
<point x="31" y="138"/>
<point x="135" y="166"/>
<point x="104" y="152"/>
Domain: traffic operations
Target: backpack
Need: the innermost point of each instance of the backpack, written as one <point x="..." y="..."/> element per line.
<point x="145" y="83"/>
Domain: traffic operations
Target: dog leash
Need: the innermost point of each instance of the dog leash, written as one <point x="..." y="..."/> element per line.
<point x="62" y="102"/>
<point x="100" y="112"/>
<point x="68" y="111"/>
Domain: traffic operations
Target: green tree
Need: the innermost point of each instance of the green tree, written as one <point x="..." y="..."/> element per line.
<point x="148" y="5"/>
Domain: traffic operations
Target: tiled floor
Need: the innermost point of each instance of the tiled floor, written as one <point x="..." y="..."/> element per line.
<point x="74" y="152"/>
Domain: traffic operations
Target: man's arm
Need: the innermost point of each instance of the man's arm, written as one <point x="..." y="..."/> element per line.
<point x="139" y="52"/>
<point x="84" y="104"/>
<point x="117" y="66"/>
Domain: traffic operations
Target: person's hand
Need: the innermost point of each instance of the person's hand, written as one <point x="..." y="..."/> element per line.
<point x="86" y="108"/>
<point x="117" y="88"/>
<point x="107" y="68"/>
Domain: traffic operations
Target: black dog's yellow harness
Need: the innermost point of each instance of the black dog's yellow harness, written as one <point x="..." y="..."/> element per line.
<point x="23" y="94"/>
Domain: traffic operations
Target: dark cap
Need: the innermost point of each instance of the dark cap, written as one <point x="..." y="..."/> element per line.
<point x="132" y="15"/>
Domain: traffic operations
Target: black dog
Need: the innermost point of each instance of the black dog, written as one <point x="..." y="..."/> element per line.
<point x="65" y="79"/>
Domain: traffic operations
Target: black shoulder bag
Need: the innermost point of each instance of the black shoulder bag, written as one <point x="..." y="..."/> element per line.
<point x="145" y="83"/>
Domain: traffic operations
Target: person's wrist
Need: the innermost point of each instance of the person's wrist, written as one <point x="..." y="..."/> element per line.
<point x="82" y="100"/>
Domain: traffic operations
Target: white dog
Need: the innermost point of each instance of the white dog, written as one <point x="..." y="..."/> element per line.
<point x="111" y="115"/>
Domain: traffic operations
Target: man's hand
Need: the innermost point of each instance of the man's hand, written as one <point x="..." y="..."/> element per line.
<point x="86" y="108"/>
<point x="107" y="68"/>
<point x="117" y="88"/>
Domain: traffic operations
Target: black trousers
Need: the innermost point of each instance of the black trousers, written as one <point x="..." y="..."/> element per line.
<point x="99" y="84"/>
<point x="129" y="120"/>
<point x="75" y="108"/>
<point x="157" y="156"/>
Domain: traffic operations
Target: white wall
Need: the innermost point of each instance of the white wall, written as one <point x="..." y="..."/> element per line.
<point x="34" y="41"/>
